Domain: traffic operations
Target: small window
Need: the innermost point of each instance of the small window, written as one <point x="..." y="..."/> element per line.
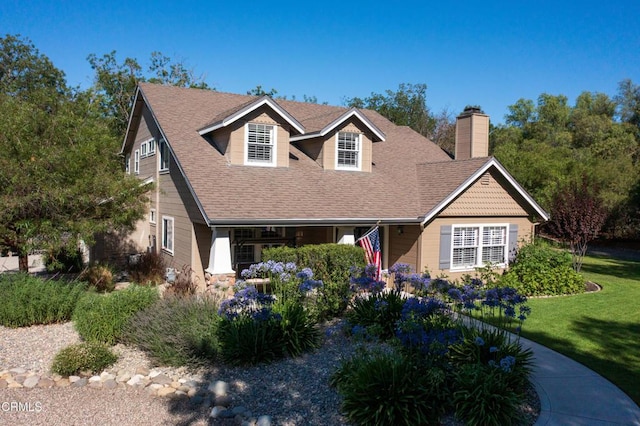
<point x="143" y="149"/>
<point x="260" y="146"/>
<point x="164" y="156"/>
<point x="152" y="146"/>
<point x="127" y="163"/>
<point x="152" y="216"/>
<point x="167" y="234"/>
<point x="136" y="162"/>
<point x="348" y="154"/>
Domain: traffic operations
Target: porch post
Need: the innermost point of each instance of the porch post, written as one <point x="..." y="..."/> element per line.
<point x="346" y="236"/>
<point x="220" y="254"/>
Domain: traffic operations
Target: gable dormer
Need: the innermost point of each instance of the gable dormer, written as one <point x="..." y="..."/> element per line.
<point x="346" y="143"/>
<point x="254" y="134"/>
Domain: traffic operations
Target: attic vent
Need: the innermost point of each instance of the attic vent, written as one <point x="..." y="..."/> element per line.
<point x="485" y="179"/>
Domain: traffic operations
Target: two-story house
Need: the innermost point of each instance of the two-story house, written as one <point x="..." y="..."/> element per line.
<point x="234" y="174"/>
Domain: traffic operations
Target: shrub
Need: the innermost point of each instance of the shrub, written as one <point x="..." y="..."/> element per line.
<point x="28" y="300"/>
<point x="251" y="338"/>
<point x="331" y="264"/>
<point x="385" y="388"/>
<point x="84" y="356"/>
<point x="184" y="284"/>
<point x="377" y="312"/>
<point x="491" y="347"/>
<point x="65" y="259"/>
<point x="176" y="331"/>
<point x="483" y="397"/>
<point x="299" y="331"/>
<point x="148" y="269"/>
<point x="101" y="318"/>
<point x="99" y="277"/>
<point x="539" y="269"/>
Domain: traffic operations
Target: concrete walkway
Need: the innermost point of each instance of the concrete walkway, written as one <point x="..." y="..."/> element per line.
<point x="572" y="394"/>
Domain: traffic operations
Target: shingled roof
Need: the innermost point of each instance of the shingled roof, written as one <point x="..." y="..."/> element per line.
<point x="405" y="184"/>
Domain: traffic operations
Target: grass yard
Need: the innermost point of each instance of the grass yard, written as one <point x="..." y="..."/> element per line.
<point x="600" y="330"/>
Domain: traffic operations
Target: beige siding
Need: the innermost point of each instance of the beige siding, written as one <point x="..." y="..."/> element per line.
<point x="404" y="248"/>
<point x="235" y="150"/>
<point x="330" y="141"/>
<point x="486" y="197"/>
<point x="472" y="136"/>
<point x="431" y="239"/>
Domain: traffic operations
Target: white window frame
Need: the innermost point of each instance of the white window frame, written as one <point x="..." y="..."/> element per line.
<point x="136" y="162"/>
<point x="168" y="234"/>
<point x="357" y="150"/>
<point x="273" y="132"/>
<point x="152" y="216"/>
<point x="143" y="149"/>
<point x="164" y="157"/>
<point x="127" y="163"/>
<point x="480" y="244"/>
<point x="152" y="147"/>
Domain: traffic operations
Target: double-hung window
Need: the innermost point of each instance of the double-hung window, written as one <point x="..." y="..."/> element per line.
<point x="152" y="146"/>
<point x="167" y="234"/>
<point x="348" y="155"/>
<point x="127" y="163"/>
<point x="164" y="155"/>
<point x="260" y="144"/>
<point x="476" y="245"/>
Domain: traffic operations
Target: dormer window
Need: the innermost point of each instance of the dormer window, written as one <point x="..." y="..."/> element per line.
<point x="260" y="144"/>
<point x="348" y="151"/>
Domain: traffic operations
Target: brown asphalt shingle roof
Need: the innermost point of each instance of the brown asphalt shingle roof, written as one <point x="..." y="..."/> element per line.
<point x="409" y="177"/>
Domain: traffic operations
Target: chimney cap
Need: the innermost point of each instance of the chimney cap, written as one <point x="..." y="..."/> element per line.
<point x="471" y="109"/>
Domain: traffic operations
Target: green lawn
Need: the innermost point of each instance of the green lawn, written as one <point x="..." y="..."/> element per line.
<point x="600" y="330"/>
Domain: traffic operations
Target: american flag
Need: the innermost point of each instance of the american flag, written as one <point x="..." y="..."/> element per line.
<point x="370" y="242"/>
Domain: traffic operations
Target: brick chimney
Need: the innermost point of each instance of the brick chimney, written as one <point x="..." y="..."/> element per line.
<point x="472" y="134"/>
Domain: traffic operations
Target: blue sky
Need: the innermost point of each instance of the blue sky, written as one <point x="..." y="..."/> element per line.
<point x="485" y="53"/>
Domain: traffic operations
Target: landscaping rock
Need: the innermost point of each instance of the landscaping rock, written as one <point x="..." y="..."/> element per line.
<point x="264" y="421"/>
<point x="31" y="382"/>
<point x="46" y="382"/>
<point x="166" y="391"/>
<point x="219" y="388"/>
<point x="79" y="383"/>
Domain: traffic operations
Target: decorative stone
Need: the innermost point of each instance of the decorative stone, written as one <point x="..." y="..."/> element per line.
<point x="20" y="378"/>
<point x="18" y="371"/>
<point x="180" y="393"/>
<point x="238" y="410"/>
<point x="96" y="385"/>
<point x="46" y="382"/>
<point x="175" y="385"/>
<point x="154" y="373"/>
<point x="3" y="384"/>
<point x="142" y="371"/>
<point x="95" y="379"/>
<point x="79" y="383"/>
<point x="161" y="379"/>
<point x="264" y="421"/>
<point x="223" y="400"/>
<point x="73" y="379"/>
<point x="216" y="411"/>
<point x="123" y="377"/>
<point x="166" y="391"/>
<point x="135" y="380"/>
<point x="219" y="388"/>
<point x="110" y="384"/>
<point x="31" y="382"/>
<point x="14" y="385"/>
<point x="192" y="392"/>
<point x="62" y="383"/>
<point x="107" y="376"/>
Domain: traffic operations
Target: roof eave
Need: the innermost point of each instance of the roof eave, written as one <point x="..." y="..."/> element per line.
<point x="314" y="222"/>
<point x="265" y="100"/>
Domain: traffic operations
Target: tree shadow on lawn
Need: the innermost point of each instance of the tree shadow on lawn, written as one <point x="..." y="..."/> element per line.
<point x="617" y="356"/>
<point x="627" y="269"/>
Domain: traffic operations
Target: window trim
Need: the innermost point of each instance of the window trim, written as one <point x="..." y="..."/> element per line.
<point x="273" y="144"/>
<point x="143" y="149"/>
<point x="479" y="245"/>
<point x="152" y="147"/>
<point x="358" y="151"/>
<point x="152" y="216"/>
<point x="168" y="237"/>
<point x="136" y="162"/>
<point x="164" y="156"/>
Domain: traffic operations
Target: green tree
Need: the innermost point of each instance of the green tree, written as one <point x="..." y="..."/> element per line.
<point x="59" y="169"/>
<point x="115" y="83"/>
<point x="405" y="107"/>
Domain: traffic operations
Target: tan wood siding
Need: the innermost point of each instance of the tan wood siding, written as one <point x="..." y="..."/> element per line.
<point x="431" y="238"/>
<point x="486" y="197"/>
<point x="404" y="248"/>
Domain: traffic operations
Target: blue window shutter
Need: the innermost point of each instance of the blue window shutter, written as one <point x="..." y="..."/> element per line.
<point x="513" y="241"/>
<point x="445" y="247"/>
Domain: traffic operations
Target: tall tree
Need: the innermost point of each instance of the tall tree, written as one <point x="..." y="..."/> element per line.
<point x="115" y="83"/>
<point x="405" y="107"/>
<point x="59" y="169"/>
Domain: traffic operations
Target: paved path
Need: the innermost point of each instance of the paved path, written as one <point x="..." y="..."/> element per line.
<point x="572" y="394"/>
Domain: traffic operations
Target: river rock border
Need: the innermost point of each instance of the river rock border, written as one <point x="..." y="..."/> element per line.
<point x="155" y="382"/>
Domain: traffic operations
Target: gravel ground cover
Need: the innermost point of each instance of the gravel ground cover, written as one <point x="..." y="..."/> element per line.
<point x="291" y="391"/>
